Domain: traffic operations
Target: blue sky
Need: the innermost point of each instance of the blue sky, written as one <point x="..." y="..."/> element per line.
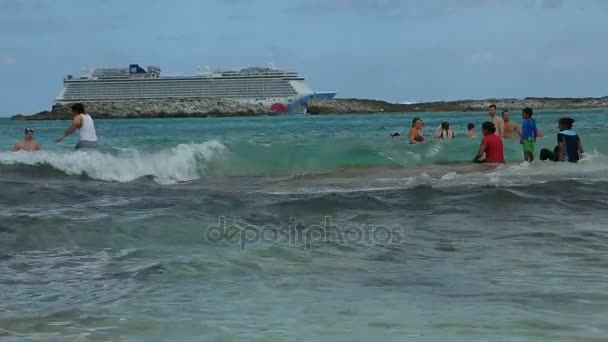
<point x="408" y="50"/>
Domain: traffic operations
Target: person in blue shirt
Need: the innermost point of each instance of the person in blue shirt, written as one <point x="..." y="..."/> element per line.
<point x="569" y="146"/>
<point x="528" y="134"/>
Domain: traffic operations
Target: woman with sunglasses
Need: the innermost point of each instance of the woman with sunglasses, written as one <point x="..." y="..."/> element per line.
<point x="415" y="135"/>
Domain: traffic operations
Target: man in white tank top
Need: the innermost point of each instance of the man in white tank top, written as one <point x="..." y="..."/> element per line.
<point x="84" y="123"/>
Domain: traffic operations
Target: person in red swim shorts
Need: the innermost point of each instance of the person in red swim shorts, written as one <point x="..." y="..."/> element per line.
<point x="491" y="145"/>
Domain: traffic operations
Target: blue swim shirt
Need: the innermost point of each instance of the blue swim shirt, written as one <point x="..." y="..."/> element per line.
<point x="528" y="129"/>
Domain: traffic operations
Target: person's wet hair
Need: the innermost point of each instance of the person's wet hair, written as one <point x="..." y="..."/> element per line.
<point x="470" y="126"/>
<point x="566" y="123"/>
<point x="528" y="111"/>
<point x="78" y="108"/>
<point x="488" y="126"/>
<point x="415" y="120"/>
<point x="445" y="125"/>
<point x="492" y="106"/>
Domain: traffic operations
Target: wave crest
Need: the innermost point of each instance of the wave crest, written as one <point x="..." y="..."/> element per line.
<point x="185" y="162"/>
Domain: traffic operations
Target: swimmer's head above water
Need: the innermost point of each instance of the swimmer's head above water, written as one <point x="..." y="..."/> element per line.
<point x="417" y="123"/>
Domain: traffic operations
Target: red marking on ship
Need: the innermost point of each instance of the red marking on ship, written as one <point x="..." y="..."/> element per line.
<point x="279" y="108"/>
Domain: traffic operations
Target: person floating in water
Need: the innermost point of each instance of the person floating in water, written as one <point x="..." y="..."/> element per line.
<point x="510" y="127"/>
<point x="569" y="146"/>
<point x="415" y="135"/>
<point x="28" y="143"/>
<point x="84" y="123"/>
<point x="498" y="123"/>
<point x="444" y="131"/>
<point x="471" y="130"/>
<point x="528" y="134"/>
<point x="491" y="145"/>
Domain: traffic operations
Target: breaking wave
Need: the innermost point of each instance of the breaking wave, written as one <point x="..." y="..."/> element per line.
<point x="185" y="162"/>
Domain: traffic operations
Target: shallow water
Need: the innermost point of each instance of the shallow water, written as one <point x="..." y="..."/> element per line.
<point x="300" y="228"/>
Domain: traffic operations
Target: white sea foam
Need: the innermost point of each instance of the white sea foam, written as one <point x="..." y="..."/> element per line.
<point x="593" y="168"/>
<point x="185" y="162"/>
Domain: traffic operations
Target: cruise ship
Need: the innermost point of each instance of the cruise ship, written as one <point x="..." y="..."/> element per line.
<point x="281" y="91"/>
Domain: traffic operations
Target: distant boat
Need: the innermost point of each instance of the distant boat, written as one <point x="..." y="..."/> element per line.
<point x="325" y="95"/>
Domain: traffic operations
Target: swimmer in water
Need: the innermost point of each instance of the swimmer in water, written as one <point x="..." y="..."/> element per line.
<point x="471" y="130"/>
<point x="491" y="145"/>
<point x="415" y="135"/>
<point x="444" y="131"/>
<point x="28" y="143"/>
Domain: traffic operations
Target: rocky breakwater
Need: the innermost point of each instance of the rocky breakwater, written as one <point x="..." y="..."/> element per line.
<point x="353" y="106"/>
<point x="206" y="107"/>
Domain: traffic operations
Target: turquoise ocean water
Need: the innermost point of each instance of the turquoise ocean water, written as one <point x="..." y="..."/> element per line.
<point x="301" y="228"/>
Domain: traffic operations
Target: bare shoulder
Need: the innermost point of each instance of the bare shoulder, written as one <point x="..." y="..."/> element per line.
<point x="77" y="121"/>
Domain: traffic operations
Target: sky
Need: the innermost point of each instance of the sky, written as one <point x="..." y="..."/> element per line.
<point x="395" y="50"/>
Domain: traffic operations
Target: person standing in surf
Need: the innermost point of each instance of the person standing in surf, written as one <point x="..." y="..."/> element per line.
<point x="498" y="123"/>
<point x="510" y="127"/>
<point x="491" y="146"/>
<point x="528" y="134"/>
<point x="84" y="123"/>
<point x="415" y="135"/>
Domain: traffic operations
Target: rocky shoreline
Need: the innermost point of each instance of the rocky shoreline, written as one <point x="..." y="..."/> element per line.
<point x="226" y="108"/>
<point x="348" y="106"/>
<point x="132" y="109"/>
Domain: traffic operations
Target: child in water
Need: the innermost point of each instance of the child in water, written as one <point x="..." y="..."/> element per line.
<point x="471" y="130"/>
<point x="569" y="147"/>
<point x="491" y="145"/>
<point x="528" y="134"/>
<point x="444" y="131"/>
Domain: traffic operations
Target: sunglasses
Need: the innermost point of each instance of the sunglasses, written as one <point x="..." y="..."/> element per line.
<point x="29" y="130"/>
